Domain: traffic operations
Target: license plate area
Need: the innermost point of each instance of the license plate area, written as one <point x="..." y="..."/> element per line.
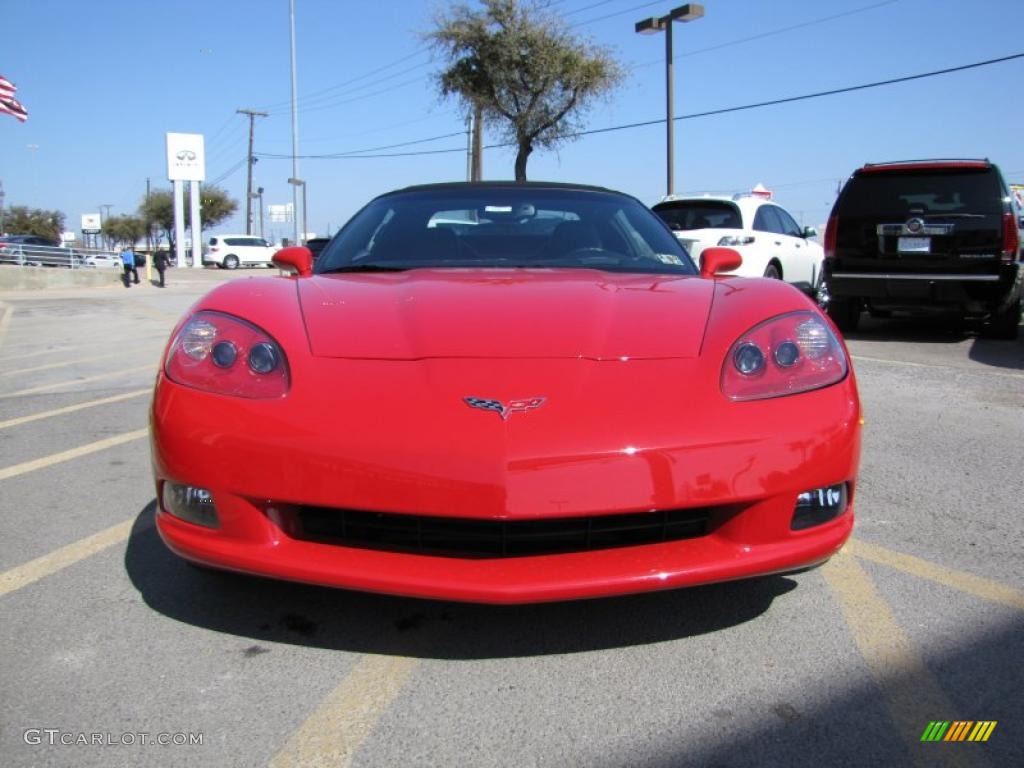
<point x="914" y="245"/>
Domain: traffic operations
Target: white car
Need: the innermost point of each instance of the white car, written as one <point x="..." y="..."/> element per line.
<point x="770" y="241"/>
<point x="233" y="251"/>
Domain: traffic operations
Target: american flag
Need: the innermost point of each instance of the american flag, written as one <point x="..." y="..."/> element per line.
<point x="8" y="104"/>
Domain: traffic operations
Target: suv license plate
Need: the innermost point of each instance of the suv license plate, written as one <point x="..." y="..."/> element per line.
<point x="914" y="245"/>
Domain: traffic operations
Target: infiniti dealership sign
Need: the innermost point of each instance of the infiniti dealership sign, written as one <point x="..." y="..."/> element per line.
<point x="185" y="157"/>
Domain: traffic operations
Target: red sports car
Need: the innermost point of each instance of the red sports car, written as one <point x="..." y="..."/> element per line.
<point x="505" y="393"/>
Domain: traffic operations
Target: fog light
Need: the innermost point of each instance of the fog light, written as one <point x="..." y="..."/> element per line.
<point x="192" y="504"/>
<point x="819" y="506"/>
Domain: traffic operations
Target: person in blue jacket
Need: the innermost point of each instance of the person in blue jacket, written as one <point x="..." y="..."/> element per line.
<point x="128" y="262"/>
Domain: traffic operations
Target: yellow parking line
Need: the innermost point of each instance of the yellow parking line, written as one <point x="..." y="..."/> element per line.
<point x="333" y="733"/>
<point x="985" y="589"/>
<point x="36" y="353"/>
<point x="83" y="450"/>
<point x="5" y="320"/>
<point x="73" y="408"/>
<point x="72" y="347"/>
<point x="158" y="314"/>
<point x="984" y="371"/>
<point x="34" y="570"/>
<point x="49" y="366"/>
<point x="83" y="380"/>
<point x="912" y="696"/>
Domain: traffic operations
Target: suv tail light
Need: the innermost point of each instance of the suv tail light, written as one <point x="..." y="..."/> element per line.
<point x="831" y="230"/>
<point x="1011" y="237"/>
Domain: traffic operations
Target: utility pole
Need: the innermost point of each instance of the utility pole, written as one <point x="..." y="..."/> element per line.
<point x="477" y="164"/>
<point x="253" y="114"/>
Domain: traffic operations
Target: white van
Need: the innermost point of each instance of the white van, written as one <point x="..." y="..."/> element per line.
<point x="232" y="251"/>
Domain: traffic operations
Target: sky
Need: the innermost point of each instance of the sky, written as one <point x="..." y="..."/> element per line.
<point x="104" y="81"/>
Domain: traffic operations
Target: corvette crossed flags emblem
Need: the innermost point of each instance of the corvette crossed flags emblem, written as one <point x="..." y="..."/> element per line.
<point x="514" y="406"/>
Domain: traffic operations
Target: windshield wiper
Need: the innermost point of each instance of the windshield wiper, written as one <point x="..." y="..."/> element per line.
<point x="367" y="267"/>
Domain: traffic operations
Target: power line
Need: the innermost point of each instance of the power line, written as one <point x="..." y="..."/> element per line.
<point x="708" y="113"/>
<point x="314" y="103"/>
<point x="769" y="33"/>
<point x="354" y="152"/>
<point x="337" y="86"/>
<point x="229" y="172"/>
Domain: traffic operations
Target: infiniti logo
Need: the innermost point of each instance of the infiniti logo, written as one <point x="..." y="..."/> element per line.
<point x="514" y="406"/>
<point x="914" y="226"/>
<point x="186" y="154"/>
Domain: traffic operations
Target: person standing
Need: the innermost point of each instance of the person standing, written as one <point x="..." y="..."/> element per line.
<point x="130" y="270"/>
<point x="160" y="262"/>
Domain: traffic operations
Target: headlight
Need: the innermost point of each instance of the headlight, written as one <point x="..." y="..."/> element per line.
<point x="791" y="353"/>
<point x="227" y="355"/>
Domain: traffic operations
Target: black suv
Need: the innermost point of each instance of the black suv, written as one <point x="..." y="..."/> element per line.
<point x="922" y="237"/>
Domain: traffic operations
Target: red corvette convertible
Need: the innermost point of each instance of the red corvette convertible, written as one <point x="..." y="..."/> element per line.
<point x="505" y="393"/>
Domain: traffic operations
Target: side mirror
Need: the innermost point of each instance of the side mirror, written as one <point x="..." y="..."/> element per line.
<point x="716" y="260"/>
<point x="810" y="232"/>
<point x="297" y="257"/>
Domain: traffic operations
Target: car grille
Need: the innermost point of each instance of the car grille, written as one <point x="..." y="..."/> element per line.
<point x="458" y="537"/>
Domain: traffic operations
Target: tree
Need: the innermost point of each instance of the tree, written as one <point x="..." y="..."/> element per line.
<point x="157" y="210"/>
<point x="22" y="220"/>
<point x="517" y="62"/>
<point x="124" y="230"/>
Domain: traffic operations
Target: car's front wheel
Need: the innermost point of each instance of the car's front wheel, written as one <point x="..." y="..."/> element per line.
<point x="772" y="272"/>
<point x="845" y="313"/>
<point x="231" y="262"/>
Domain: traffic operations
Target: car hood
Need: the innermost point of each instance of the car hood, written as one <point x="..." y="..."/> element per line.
<point x="514" y="313"/>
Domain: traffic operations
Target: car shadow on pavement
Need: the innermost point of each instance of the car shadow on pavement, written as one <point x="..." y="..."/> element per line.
<point x="937" y="330"/>
<point x="997" y="353"/>
<point x="284" y="612"/>
<point x="852" y="725"/>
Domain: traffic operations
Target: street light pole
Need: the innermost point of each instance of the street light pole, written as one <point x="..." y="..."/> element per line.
<point x="259" y="191"/>
<point x="670" y="124"/>
<point x="684" y="13"/>
<point x="295" y="122"/>
<point x="300" y="237"/>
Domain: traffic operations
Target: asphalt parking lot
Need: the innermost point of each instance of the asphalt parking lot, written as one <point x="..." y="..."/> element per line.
<point x="109" y="638"/>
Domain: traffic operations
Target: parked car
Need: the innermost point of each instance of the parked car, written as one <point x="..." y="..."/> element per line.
<point x="233" y="251"/>
<point x="770" y="241"/>
<point x="37" y="251"/>
<point x="550" y="402"/>
<point x="104" y="260"/>
<point x="924" y="237"/>
<point x="316" y="245"/>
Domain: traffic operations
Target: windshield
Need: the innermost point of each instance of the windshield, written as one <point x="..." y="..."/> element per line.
<point x="926" y="192"/>
<point x="505" y="227"/>
<point x="699" y="214"/>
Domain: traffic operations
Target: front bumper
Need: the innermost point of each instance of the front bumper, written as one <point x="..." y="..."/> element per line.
<point x="748" y="461"/>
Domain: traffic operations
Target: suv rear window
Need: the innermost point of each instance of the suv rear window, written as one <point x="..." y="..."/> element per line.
<point x="699" y="214"/>
<point x="933" y="191"/>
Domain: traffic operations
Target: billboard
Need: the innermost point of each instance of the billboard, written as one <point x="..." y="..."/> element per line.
<point x="90" y="223"/>
<point x="185" y="157"/>
<point x="280" y="213"/>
